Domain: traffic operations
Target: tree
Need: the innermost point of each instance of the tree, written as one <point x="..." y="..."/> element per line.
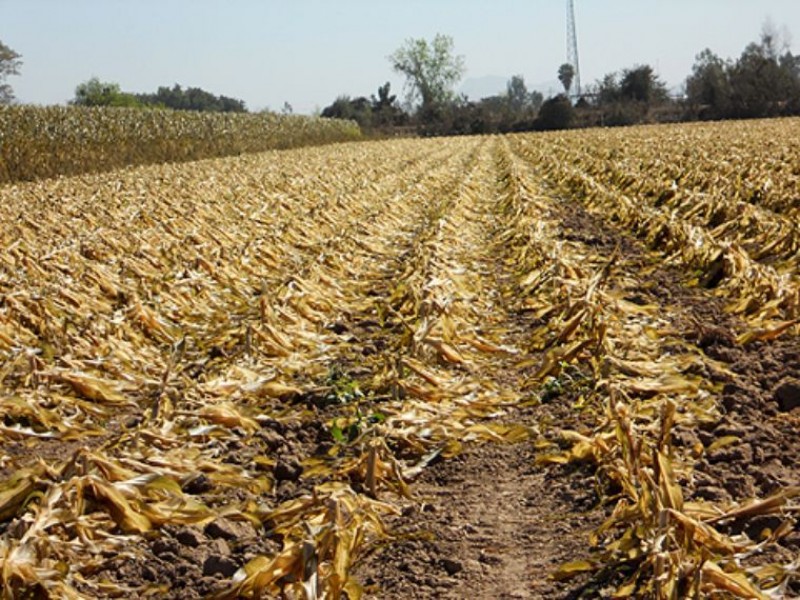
<point x="385" y="98"/>
<point x="708" y="88"/>
<point x="626" y="100"/>
<point x="519" y="98"/>
<point x="566" y="73"/>
<point x="641" y="84"/>
<point x="518" y="109"/>
<point x="763" y="81"/>
<point x="9" y="65"/>
<point x="191" y="98"/>
<point x="556" y="113"/>
<point x="98" y="93"/>
<point x="385" y="110"/>
<point x="380" y="111"/>
<point x="431" y="71"/>
<point x="608" y="91"/>
<point x="344" y="107"/>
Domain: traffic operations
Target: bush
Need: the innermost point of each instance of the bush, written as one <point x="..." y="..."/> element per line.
<point x="556" y="113"/>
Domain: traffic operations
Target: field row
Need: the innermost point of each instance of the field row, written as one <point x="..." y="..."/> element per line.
<point x="723" y="206"/>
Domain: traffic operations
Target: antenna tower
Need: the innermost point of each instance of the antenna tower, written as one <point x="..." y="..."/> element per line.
<point x="572" y="46"/>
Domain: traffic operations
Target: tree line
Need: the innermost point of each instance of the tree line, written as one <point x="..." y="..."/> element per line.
<point x="100" y="93"/>
<point x="94" y="92"/>
<point x="764" y="81"/>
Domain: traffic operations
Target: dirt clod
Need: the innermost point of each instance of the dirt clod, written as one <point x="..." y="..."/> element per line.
<point x="272" y="438"/>
<point x="190" y="537"/>
<point x="198" y="485"/>
<point x="787" y="394"/>
<point x="227" y="529"/>
<point x="288" y="468"/>
<point x="452" y="566"/>
<point x="219" y="565"/>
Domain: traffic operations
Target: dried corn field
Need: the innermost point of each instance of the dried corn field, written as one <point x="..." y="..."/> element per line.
<point x="534" y="366"/>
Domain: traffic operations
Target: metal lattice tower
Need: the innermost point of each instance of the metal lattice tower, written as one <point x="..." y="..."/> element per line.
<point x="572" y="46"/>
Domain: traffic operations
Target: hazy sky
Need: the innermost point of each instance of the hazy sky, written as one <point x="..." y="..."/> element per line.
<point x="307" y="52"/>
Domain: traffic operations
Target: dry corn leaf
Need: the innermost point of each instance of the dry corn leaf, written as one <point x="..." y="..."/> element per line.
<point x="572" y="569"/>
<point x="771" y="505"/>
<point x="15" y="491"/>
<point x="734" y="583"/>
<point x="723" y="442"/>
<point x="228" y="415"/>
<point x="763" y="334"/>
<point x="120" y="509"/>
<point x="92" y="388"/>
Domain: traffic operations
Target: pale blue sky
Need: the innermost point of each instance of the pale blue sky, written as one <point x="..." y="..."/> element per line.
<point x="307" y="52"/>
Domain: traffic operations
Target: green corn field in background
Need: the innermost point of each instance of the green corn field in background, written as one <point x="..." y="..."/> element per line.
<point x="41" y="142"/>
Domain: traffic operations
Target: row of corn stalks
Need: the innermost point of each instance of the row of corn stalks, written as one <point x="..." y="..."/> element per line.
<point x="746" y="252"/>
<point x="39" y="142"/>
<point x="655" y="541"/>
<point x="439" y="330"/>
<point x="318" y="550"/>
<point x="748" y="161"/>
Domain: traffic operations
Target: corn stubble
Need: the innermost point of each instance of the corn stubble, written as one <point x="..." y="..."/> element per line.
<point x="152" y="316"/>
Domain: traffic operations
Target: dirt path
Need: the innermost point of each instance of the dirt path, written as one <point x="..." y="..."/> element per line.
<point x="491" y="525"/>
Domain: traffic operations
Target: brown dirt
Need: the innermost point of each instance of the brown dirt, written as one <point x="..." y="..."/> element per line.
<point x="491" y="524"/>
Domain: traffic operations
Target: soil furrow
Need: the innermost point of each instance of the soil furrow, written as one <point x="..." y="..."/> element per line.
<point x="491" y="524"/>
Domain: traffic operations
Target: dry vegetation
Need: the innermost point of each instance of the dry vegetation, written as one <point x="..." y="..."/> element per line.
<point x="268" y="350"/>
<point x="39" y="142"/>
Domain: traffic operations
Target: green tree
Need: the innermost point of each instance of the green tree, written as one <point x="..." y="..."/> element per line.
<point x="641" y="84"/>
<point x="431" y="70"/>
<point x="520" y="100"/>
<point x="99" y="93"/>
<point x="566" y="74"/>
<point x="191" y="98"/>
<point x="377" y="111"/>
<point x="556" y="113"/>
<point x="344" y="107"/>
<point x="763" y="81"/>
<point x="385" y="97"/>
<point x="518" y="109"/>
<point x="385" y="110"/>
<point x="9" y="65"/>
<point x="708" y="89"/>
<point x="621" y="100"/>
<point x="607" y="90"/>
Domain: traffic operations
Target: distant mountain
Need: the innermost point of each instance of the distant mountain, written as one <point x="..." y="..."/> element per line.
<point x="476" y="88"/>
